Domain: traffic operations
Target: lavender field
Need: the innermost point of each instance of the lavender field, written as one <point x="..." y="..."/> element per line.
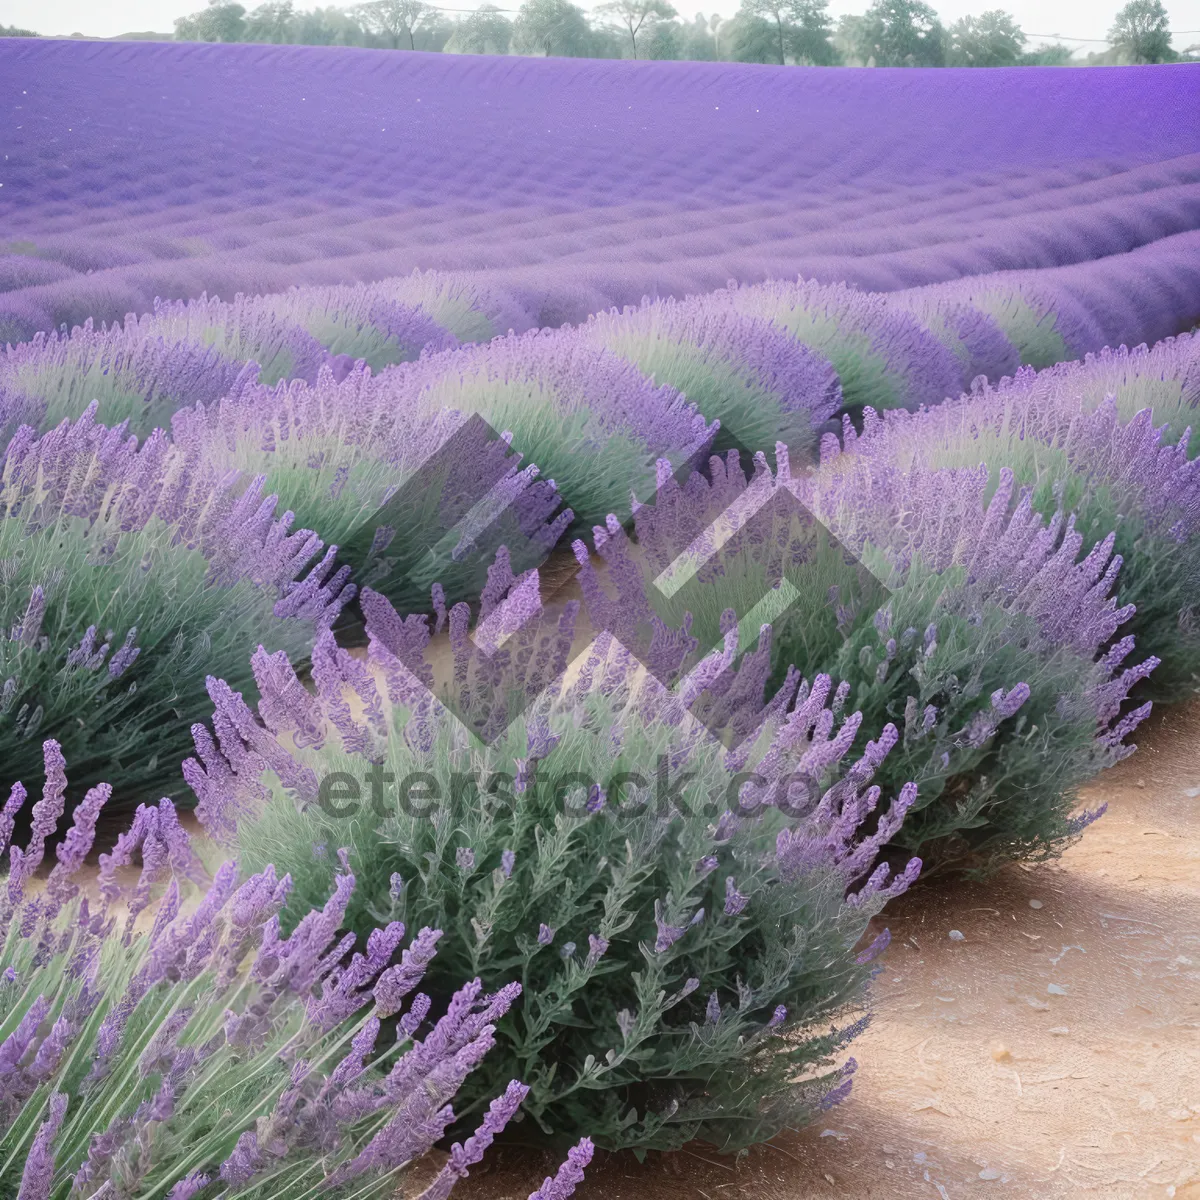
<point x="140" y="171"/>
<point x="512" y="568"/>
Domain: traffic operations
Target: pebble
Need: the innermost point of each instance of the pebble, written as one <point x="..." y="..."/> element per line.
<point x="1035" y="1003"/>
<point x="1141" y="783"/>
<point x="957" y="935"/>
<point x="1060" y="1031"/>
<point x="1180" y="1114"/>
<point x="1147" y="1101"/>
<point x="990" y="1173"/>
<point x="1035" y="904"/>
<point x="1056" y="989"/>
<point x="1001" y="1053"/>
<point x="1192" y="793"/>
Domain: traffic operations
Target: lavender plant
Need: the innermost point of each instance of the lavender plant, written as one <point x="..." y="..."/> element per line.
<point x="590" y="421"/>
<point x="129" y="573"/>
<point x="129" y="373"/>
<point x="761" y="383"/>
<point x="973" y="336"/>
<point x="1045" y="323"/>
<point x="395" y="320"/>
<point x="402" y="471"/>
<point x="208" y="1055"/>
<point x="682" y="915"/>
<point x="410" y="497"/>
<point x="1109" y="439"/>
<point x="883" y="356"/>
<point x="991" y="644"/>
<point x="243" y="330"/>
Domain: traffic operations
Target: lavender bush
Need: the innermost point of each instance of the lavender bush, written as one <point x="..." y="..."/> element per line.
<point x="687" y="956"/>
<point x="395" y="320"/>
<point x="883" y="356"/>
<point x="129" y="573"/>
<point x="994" y="651"/>
<point x="208" y="1055"/>
<point x="762" y="384"/>
<point x="970" y="334"/>
<point x="130" y="373"/>
<point x="411" y="496"/>
<point x="399" y="471"/>
<point x="1109" y="439"/>
<point x="1046" y="324"/>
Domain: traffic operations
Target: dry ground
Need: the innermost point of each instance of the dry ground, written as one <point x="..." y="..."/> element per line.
<point x="1053" y="1052"/>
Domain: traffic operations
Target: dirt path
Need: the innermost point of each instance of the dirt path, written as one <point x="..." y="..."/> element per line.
<point x="1053" y="1052"/>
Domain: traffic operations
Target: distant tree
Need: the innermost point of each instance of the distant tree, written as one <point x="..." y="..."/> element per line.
<point x="1052" y="54"/>
<point x="328" y="27"/>
<point x="631" y="15"/>
<point x="271" y="22"/>
<point x="797" y="31"/>
<point x="993" y="39"/>
<point x="747" y="38"/>
<point x="552" y="27"/>
<point x="1141" y="32"/>
<point x="219" y="22"/>
<point x="485" y="31"/>
<point x="848" y="40"/>
<point x="13" y="31"/>
<point x="664" y="40"/>
<point x="604" y="42"/>
<point x="394" y="21"/>
<point x="696" y="41"/>
<point x="902" y="33"/>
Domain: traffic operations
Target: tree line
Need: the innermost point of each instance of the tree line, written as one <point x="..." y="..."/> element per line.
<point x="891" y="33"/>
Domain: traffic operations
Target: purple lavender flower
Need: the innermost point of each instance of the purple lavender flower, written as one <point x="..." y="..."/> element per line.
<point x="735" y="901"/>
<point x="38" y="1176"/>
<point x="465" y="1155"/>
<point x="545" y="935"/>
<point x="569" y="1175"/>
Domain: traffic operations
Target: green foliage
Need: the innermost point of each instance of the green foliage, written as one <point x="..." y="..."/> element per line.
<point x="902" y="33"/>
<point x="795" y="30"/>
<point x="219" y="22"/>
<point x="1141" y="32"/>
<point x="631" y="15"/>
<point x="551" y="27"/>
<point x="485" y="31"/>
<point x="993" y="39"/>
<point x="1052" y="54"/>
<point x="643" y="1039"/>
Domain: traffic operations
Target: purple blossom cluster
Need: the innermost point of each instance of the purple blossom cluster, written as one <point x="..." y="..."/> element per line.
<point x="884" y="357"/>
<point x="761" y="383"/>
<point x="1111" y="436"/>
<point x="132" y="570"/>
<point x="771" y="844"/>
<point x="214" y="996"/>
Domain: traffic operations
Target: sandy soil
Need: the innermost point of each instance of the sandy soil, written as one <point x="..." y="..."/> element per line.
<point x="1052" y="1052"/>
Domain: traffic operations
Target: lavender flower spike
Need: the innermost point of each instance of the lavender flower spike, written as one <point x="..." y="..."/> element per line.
<point x="463" y="1156"/>
<point x="38" y="1177"/>
<point x="569" y="1175"/>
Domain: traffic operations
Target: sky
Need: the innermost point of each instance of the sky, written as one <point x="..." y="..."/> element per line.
<point x="1067" y="19"/>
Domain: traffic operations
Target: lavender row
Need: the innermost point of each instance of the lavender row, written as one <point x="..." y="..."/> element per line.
<point x="129" y="1021"/>
<point x="196" y="351"/>
<point x="1109" y="439"/>
<point x="130" y="572"/>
